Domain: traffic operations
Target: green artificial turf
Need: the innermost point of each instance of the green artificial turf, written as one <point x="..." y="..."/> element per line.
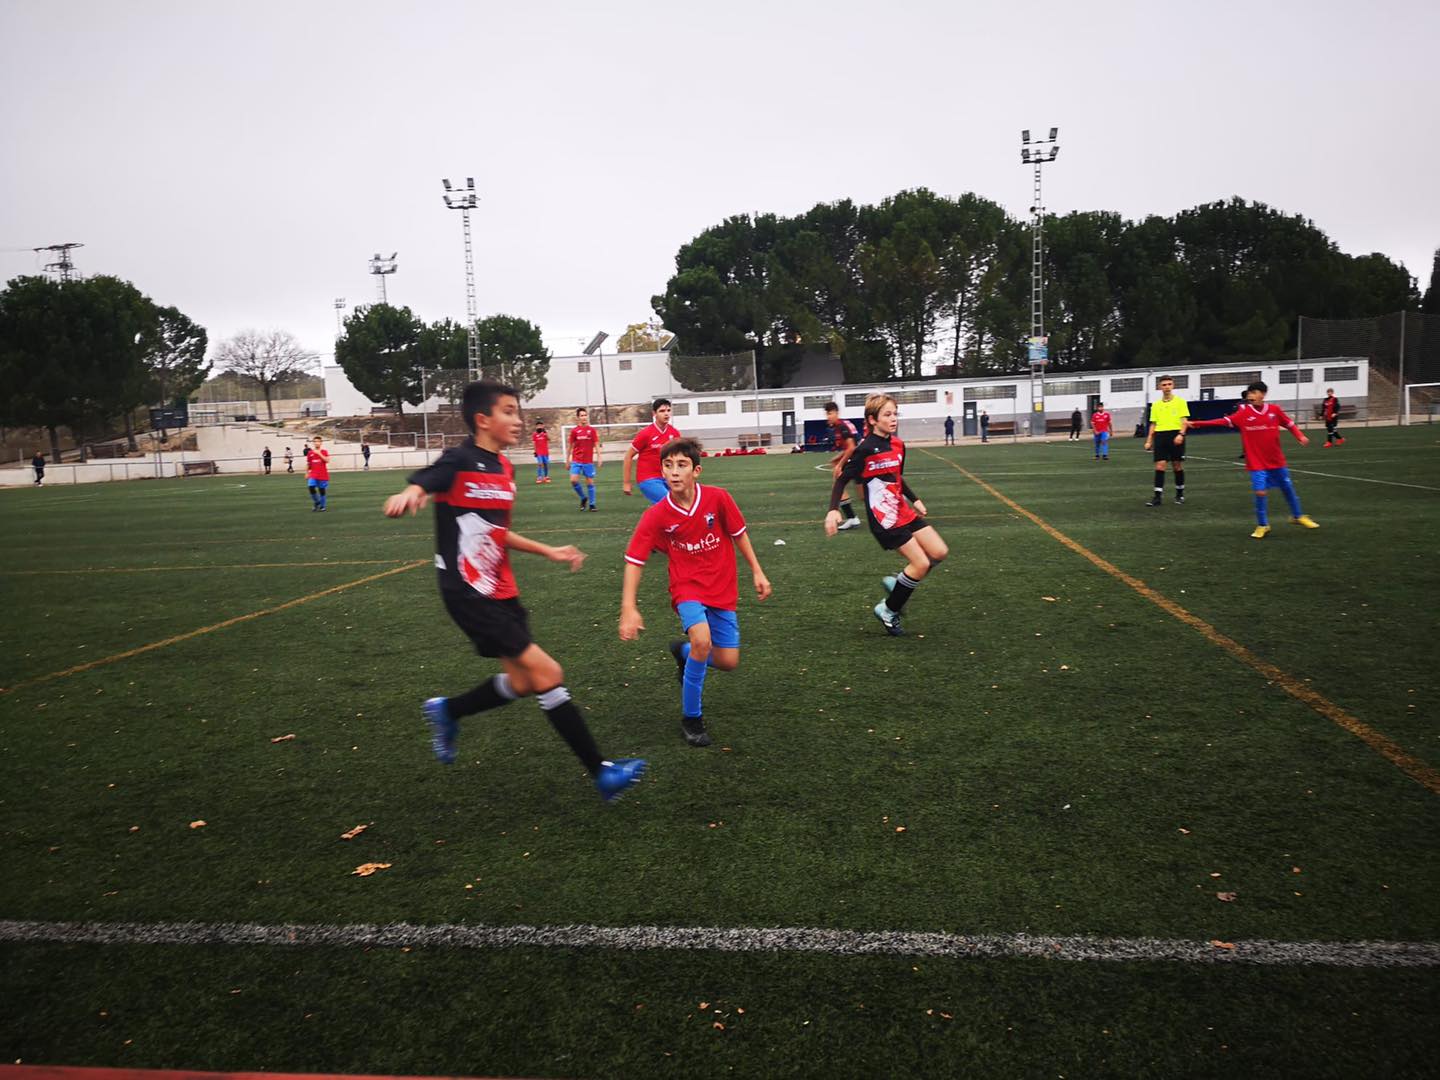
<point x="1046" y="752"/>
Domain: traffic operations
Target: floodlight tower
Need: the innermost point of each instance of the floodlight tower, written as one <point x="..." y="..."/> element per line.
<point x="382" y="268"/>
<point x="62" y="264"/>
<point x="1038" y="347"/>
<point x="339" y="318"/>
<point x="597" y="344"/>
<point x="465" y="201"/>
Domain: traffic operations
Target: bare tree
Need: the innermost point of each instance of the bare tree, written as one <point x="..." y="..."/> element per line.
<point x="267" y="359"/>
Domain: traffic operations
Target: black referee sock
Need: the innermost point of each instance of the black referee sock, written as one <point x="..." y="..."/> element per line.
<point x="565" y="718"/>
<point x="847" y="511"/>
<point x="905" y="587"/>
<point x="1180" y="483"/>
<point x="490" y="694"/>
<point x="1159" y="482"/>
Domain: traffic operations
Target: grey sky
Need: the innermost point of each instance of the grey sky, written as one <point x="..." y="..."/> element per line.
<point x="243" y="160"/>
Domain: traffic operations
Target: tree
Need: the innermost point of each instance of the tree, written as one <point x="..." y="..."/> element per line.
<point x="511" y="352"/>
<point x="174" y="356"/>
<point x="644" y="337"/>
<point x="1431" y="304"/>
<point x="268" y="360"/>
<point x="379" y="354"/>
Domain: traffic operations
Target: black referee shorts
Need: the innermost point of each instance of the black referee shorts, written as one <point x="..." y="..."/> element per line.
<point x="1166" y="448"/>
<point x="495" y="627"/>
<point x="890" y="539"/>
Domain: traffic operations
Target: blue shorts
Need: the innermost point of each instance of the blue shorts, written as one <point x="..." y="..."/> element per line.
<point x="1102" y="438"/>
<point x="321" y="484"/>
<point x="586" y="469"/>
<point x="654" y="489"/>
<point x="1261" y="479"/>
<point x="542" y="459"/>
<point x="724" y="625"/>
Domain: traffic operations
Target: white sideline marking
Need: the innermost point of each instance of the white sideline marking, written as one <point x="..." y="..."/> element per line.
<point x="1349" y="954"/>
<point x="1335" y="476"/>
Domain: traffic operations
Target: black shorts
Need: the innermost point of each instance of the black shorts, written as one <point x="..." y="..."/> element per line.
<point x="1166" y="448"/>
<point x="890" y="539"/>
<point x="495" y="627"/>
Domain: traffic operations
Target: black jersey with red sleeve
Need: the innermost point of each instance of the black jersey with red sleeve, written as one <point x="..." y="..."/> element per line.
<point x="878" y="465"/>
<point x="843" y="434"/>
<point x="474" y="495"/>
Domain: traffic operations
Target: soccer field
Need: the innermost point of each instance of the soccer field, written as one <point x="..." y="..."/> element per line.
<point x="1136" y="795"/>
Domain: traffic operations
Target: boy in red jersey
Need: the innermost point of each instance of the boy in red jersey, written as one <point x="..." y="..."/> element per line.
<point x="698" y="528"/>
<point x="317" y="473"/>
<point x="1259" y="425"/>
<point x="540" y="440"/>
<point x="845" y="438"/>
<point x="647" y="445"/>
<point x="584" y="461"/>
<point x="896" y="515"/>
<point x="474" y="489"/>
<point x="1100" y="424"/>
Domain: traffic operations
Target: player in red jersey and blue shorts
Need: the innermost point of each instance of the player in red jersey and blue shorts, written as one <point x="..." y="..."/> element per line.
<point x="474" y="491"/>
<point x="698" y="528"/>
<point x="1100" y="424"/>
<point x="647" y="445"/>
<point x="1259" y="425"/>
<point x="540" y="440"/>
<point x="896" y="516"/>
<point x="584" y="461"/>
<point x="317" y="473"/>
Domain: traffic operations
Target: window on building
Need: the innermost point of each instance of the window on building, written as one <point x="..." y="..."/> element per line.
<point x="1227" y="378"/>
<point x="767" y="404"/>
<point x="1182" y="382"/>
<point x="710" y="408"/>
<point x="1290" y="376"/>
<point x="582" y="366"/>
<point x="915" y="397"/>
<point x="817" y="401"/>
<point x="1072" y="386"/>
<point x="855" y="401"/>
<point x="679" y="408"/>
<point x="1341" y="374"/>
<point x="1126" y="386"/>
<point x="626" y="363"/>
<point x="985" y="393"/>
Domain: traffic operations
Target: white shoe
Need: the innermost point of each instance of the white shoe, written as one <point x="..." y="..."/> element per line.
<point x="853" y="523"/>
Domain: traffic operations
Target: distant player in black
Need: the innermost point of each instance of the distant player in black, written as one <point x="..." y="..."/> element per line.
<point x="265" y="459"/>
<point x="896" y="516"/>
<point x="474" y="489"/>
<point x="844" y="438"/>
<point x="38" y="464"/>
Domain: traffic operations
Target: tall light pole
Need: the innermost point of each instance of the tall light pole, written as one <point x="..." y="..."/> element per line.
<point x="339" y="318"/>
<point x="63" y="265"/>
<point x="1038" y="347"/>
<point x="465" y="201"/>
<point x="382" y="268"/>
<point x="597" y="346"/>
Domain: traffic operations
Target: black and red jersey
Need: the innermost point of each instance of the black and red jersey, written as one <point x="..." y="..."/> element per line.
<point x="474" y="495"/>
<point x="878" y="465"/>
<point x="843" y="434"/>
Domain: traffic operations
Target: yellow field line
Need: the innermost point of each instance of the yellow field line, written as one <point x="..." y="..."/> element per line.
<point x="1411" y="766"/>
<point x="200" y="566"/>
<point x="212" y="627"/>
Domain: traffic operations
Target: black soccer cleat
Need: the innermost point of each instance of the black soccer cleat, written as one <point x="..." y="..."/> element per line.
<point x="677" y="650"/>
<point x="1156" y="501"/>
<point x="1179" y="500"/>
<point x="694" y="729"/>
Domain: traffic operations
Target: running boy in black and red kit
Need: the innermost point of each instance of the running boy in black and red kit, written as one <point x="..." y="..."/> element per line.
<point x="474" y="489"/>
<point x="896" y="515"/>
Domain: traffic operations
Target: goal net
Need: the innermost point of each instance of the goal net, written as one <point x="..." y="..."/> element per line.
<point x="1403" y="348"/>
<point x="707" y="374"/>
<point x="1422" y="403"/>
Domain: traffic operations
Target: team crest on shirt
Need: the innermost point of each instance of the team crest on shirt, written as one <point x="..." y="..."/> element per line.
<point x="709" y="521"/>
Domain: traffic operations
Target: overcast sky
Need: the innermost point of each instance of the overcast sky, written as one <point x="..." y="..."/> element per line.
<point x="243" y="161"/>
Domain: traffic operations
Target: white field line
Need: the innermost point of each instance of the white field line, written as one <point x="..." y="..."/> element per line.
<point x="839" y="943"/>
<point x="1333" y="476"/>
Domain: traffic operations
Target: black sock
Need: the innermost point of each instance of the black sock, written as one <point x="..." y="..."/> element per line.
<point x="1179" y="483"/>
<point x="1159" y="482"/>
<point x="847" y="511"/>
<point x="905" y="587"/>
<point x="490" y="694"/>
<point x="565" y="718"/>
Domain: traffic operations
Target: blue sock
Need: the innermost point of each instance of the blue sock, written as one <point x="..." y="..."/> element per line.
<point x="575" y="485"/>
<point x="322" y="500"/>
<point x="693" y="686"/>
<point x="591" y="489"/>
<point x="1262" y="513"/>
<point x="1290" y="497"/>
<point x="315" y="496"/>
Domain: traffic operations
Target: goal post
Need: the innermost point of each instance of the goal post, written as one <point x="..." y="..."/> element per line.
<point x="1421" y="399"/>
<point x="609" y="433"/>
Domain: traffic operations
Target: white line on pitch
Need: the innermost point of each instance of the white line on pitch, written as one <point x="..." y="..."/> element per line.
<point x="1339" y="476"/>
<point x="842" y="943"/>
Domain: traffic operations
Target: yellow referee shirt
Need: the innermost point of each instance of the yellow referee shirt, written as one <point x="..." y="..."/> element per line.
<point x="1168" y="415"/>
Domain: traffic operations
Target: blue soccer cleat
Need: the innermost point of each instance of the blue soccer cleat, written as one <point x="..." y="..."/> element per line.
<point x="615" y="776"/>
<point x="889" y="620"/>
<point x="889" y="582"/>
<point x="443" y="729"/>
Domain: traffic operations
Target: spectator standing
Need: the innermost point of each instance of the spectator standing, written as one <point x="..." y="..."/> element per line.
<point x="365" y="452"/>
<point x="949" y="431"/>
<point x="984" y="426"/>
<point x="1076" y="423"/>
<point x="38" y="464"/>
<point x="289" y="461"/>
<point x="265" y="460"/>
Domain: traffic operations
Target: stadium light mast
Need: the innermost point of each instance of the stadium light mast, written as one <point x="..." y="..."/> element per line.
<point x="339" y="317"/>
<point x="62" y="264"/>
<point x="465" y="201"/>
<point x="597" y="345"/>
<point x="382" y="268"/>
<point x="1037" y="154"/>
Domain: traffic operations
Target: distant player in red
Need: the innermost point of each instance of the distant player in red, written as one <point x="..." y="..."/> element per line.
<point x="540" y="440"/>
<point x="844" y="438"/>
<point x="473" y="486"/>
<point x="1259" y="425"/>
<point x="896" y="516"/>
<point x="584" y="461"/>
<point x="317" y="473"/>
<point x="698" y="528"/>
<point x="1330" y="410"/>
<point x="1100" y="424"/>
<point x="646" y="445"/>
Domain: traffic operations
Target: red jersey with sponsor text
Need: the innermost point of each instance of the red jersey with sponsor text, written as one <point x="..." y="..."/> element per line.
<point x="647" y="444"/>
<point x="474" y="495"/>
<point x="541" y="440"/>
<point x="583" y="438"/>
<point x="1259" y="433"/>
<point x="1100" y="422"/>
<point x="878" y="464"/>
<point x="699" y="541"/>
<point x="317" y="464"/>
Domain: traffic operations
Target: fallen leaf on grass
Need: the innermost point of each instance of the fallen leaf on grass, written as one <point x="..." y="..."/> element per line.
<point x="197" y="824"/>
<point x="356" y="831"/>
<point x="899" y="828"/>
<point x="1184" y="832"/>
<point x="283" y="738"/>
<point x="1226" y="896"/>
<point x="366" y="869"/>
<point x="1051" y="599"/>
<point x="1222" y="944"/>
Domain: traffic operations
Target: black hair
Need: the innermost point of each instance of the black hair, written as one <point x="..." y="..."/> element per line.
<point x="689" y="448"/>
<point x="480" y="397"/>
<point x="658" y="402"/>
<point x="830" y="406"/>
<point x="581" y="409"/>
<point x="1257" y="385"/>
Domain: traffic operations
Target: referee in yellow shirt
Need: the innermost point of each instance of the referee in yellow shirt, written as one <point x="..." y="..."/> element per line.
<point x="1169" y="416"/>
